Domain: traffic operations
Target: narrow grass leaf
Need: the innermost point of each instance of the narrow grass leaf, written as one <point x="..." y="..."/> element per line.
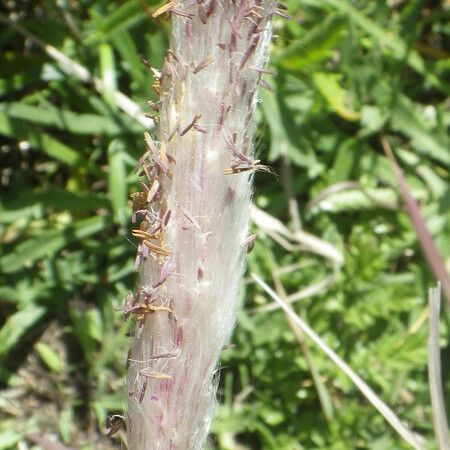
<point x="16" y="129"/>
<point x="119" y="19"/>
<point x="75" y="69"/>
<point x="117" y="180"/>
<point x="49" y="357"/>
<point x="53" y="197"/>
<point x="126" y="47"/>
<point x="108" y="73"/>
<point x="61" y="119"/>
<point x="435" y="373"/>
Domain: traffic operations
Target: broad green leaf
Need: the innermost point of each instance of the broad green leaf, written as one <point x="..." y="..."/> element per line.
<point x="390" y="40"/>
<point x="406" y="119"/>
<point x="48" y="242"/>
<point x="335" y="95"/>
<point x="315" y="46"/>
<point x="17" y="325"/>
<point x="66" y="424"/>
<point x="9" y="215"/>
<point x="9" y="439"/>
<point x="343" y="164"/>
<point x="286" y="138"/>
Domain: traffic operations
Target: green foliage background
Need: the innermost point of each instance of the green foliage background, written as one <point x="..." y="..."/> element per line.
<point x="348" y="71"/>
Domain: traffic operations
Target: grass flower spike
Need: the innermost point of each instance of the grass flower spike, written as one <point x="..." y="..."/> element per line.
<point x="192" y="215"/>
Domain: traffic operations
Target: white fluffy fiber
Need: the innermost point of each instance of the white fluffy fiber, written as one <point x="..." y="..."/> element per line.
<point x="212" y="73"/>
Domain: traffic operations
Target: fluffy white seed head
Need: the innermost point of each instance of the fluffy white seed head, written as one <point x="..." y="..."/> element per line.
<point x="194" y="218"/>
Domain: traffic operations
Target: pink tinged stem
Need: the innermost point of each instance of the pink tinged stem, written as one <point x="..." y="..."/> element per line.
<point x="429" y="249"/>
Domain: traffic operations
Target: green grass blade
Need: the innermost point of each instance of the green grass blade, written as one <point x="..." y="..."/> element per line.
<point x="48" y="242"/>
<point x="16" y="129"/>
<point x="61" y="119"/>
<point x="17" y="325"/>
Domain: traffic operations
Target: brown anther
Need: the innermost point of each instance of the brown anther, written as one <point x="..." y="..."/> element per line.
<point x="202" y="13"/>
<point x="139" y="200"/>
<point x="156" y="249"/>
<point x="113" y="424"/>
<point x="157" y="87"/>
<point x="265" y="85"/>
<point x="180" y="13"/>
<point x="140" y="311"/>
<point x="153" y="117"/>
<point x="155" y="375"/>
<point x="150" y="142"/>
<point x="173" y="55"/>
<point x="252" y="167"/>
<point x="152" y="191"/>
<point x="163" y="9"/>
<point x="211" y="7"/>
<point x="203" y="64"/>
<point x="281" y="6"/>
<point x="153" y="105"/>
<point x="163" y="155"/>
<point x="142" y="160"/>
<point x="141" y="234"/>
<point x="173" y="132"/>
<point x="283" y="15"/>
<point x="264" y="71"/>
<point x="249" y="51"/>
<point x="148" y="170"/>
<point x="191" y="124"/>
<point x="250" y="242"/>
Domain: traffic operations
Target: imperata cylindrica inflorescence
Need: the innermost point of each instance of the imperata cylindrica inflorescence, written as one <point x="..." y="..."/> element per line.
<point x="191" y="216"/>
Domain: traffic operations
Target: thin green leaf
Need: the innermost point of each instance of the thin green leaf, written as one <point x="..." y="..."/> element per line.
<point x="121" y="18"/>
<point x="62" y="119"/>
<point x="286" y="138"/>
<point x="315" y="46"/>
<point x="117" y="180"/>
<point x="17" y="325"/>
<point x="49" y="242"/>
<point x="335" y="95"/>
<point x="390" y="40"/>
<point x="49" y="357"/>
<point x="108" y="73"/>
<point x="16" y="129"/>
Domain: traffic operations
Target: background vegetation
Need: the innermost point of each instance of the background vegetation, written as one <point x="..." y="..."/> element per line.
<point x="348" y="71"/>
